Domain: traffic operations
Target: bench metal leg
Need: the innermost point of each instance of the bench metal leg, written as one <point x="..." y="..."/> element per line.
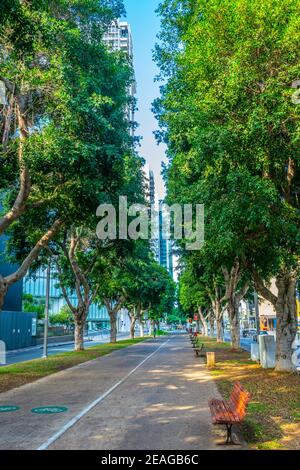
<point x="229" y="439"/>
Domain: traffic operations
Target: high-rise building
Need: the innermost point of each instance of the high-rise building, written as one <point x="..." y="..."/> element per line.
<point x="150" y="185"/>
<point x="153" y="214"/>
<point x="118" y="37"/>
<point x="161" y="246"/>
<point x="165" y="244"/>
<point x="36" y="286"/>
<point x="170" y="258"/>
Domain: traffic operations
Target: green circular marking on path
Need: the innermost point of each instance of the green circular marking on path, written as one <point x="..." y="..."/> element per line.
<point x="8" y="408"/>
<point x="49" y="410"/>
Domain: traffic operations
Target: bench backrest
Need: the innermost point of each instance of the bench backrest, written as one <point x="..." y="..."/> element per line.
<point x="239" y="399"/>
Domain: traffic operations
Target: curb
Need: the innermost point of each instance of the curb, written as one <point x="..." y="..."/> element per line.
<point x="36" y="348"/>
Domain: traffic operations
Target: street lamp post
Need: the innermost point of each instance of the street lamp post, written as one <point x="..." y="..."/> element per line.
<point x="256" y="312"/>
<point x="46" y="320"/>
<point x="257" y="320"/>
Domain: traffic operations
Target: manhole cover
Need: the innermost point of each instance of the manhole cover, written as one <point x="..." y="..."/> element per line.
<point x="8" y="409"/>
<point x="48" y="410"/>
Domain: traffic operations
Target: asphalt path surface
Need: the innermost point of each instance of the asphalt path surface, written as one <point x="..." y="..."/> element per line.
<point x="153" y="395"/>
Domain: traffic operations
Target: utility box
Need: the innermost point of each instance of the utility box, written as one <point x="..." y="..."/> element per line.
<point x="255" y="352"/>
<point x="267" y="351"/>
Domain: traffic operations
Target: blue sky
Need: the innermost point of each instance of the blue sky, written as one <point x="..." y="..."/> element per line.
<point x="145" y="26"/>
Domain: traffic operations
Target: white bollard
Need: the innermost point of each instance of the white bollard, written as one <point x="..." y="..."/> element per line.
<point x="267" y="351"/>
<point x="255" y="352"/>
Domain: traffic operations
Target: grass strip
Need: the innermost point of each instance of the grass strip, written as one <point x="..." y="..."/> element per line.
<point x="273" y="418"/>
<point x="15" y="375"/>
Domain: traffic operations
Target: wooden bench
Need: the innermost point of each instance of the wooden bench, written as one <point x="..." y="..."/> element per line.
<point x="195" y="341"/>
<point x="198" y="349"/>
<point x="194" y="337"/>
<point x="197" y="345"/>
<point x="230" y="412"/>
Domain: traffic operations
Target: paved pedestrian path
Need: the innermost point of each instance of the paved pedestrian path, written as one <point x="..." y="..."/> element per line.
<point x="152" y="395"/>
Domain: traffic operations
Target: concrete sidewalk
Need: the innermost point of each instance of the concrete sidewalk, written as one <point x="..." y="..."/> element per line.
<point x="149" y="396"/>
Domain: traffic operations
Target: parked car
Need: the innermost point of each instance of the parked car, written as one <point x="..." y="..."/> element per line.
<point x="254" y="337"/>
<point x="248" y="332"/>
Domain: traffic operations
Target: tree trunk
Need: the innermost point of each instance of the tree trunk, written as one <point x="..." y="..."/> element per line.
<point x="113" y="326"/>
<point x="18" y="207"/>
<point x="132" y="326"/>
<point x="234" y="297"/>
<point x="286" y="318"/>
<point x="3" y="291"/>
<point x="211" y="324"/>
<point x="219" y="321"/>
<point x="79" y="334"/>
<point x="203" y="321"/>
<point x="220" y="330"/>
<point x="286" y="324"/>
<point x="142" y="334"/>
<point x="216" y="302"/>
<point x="234" y="316"/>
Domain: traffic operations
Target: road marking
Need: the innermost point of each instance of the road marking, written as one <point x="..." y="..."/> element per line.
<point x="92" y="405"/>
<point x="8" y="408"/>
<point x="48" y="410"/>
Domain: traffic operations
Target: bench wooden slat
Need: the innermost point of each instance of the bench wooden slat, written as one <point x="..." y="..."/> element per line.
<point x="234" y="410"/>
<point x="221" y="413"/>
<point x="239" y="400"/>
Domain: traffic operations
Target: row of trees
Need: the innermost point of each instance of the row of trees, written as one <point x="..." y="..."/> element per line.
<point x="231" y="124"/>
<point x="115" y="274"/>
<point x="67" y="147"/>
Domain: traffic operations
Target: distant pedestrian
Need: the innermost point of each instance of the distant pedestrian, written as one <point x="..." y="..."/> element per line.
<point x="154" y="332"/>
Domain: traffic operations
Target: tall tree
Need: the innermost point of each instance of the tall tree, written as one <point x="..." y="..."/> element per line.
<point x="193" y="296"/>
<point x="232" y="131"/>
<point x="75" y="260"/>
<point x="64" y="130"/>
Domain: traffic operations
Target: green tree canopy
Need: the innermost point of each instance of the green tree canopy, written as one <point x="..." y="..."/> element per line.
<point x="232" y="129"/>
